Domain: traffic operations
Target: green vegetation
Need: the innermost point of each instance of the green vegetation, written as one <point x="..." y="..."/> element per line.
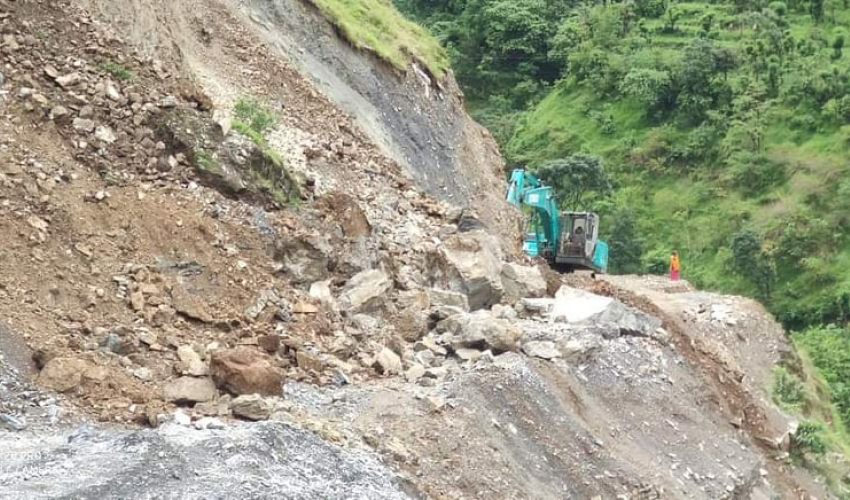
<point x="116" y="70"/>
<point x="788" y="390"/>
<point x="376" y="25"/>
<point x="254" y="120"/>
<point x="809" y="438"/>
<point x="821" y="441"/>
<point x="206" y="161"/>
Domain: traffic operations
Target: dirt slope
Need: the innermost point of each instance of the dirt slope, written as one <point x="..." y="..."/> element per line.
<point x="286" y="51"/>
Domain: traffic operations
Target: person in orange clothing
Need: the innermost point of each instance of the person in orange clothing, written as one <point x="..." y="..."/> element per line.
<point x="674" y="266"/>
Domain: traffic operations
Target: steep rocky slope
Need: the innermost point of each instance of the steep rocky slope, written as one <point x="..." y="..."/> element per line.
<point x="172" y="270"/>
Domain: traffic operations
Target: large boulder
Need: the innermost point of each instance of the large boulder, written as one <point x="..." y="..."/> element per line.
<point x="580" y="307"/>
<point x="469" y="263"/>
<point x="246" y="371"/>
<point x="189" y="390"/>
<point x="572" y="305"/>
<point x="480" y="330"/>
<point x="522" y="282"/>
<point x="62" y="374"/>
<point x="303" y="259"/>
<point x="366" y="291"/>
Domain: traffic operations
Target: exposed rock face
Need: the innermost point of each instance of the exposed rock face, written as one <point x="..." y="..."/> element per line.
<point x="246" y="371"/>
<point x="189" y="390"/>
<point x="480" y="330"/>
<point x="469" y="263"/>
<point x="366" y="291"/>
<point x="522" y="281"/>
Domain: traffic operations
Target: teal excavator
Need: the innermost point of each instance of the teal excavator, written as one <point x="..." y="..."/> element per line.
<point x="568" y="240"/>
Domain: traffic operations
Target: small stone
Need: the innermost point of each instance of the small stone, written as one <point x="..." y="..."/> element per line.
<point x="137" y="301"/>
<point x="11" y="423"/>
<point x="51" y="72"/>
<point x="246" y="371"/>
<point x="414" y="373"/>
<point x="10" y="43"/>
<point x="143" y="373"/>
<point x="209" y="423"/>
<point x="252" y="407"/>
<point x="105" y="134"/>
<point x="37" y="223"/>
<point x="468" y="354"/>
<point x="321" y="290"/>
<point x="388" y="362"/>
<point x="190" y="362"/>
<point x="68" y="80"/>
<point x="58" y="112"/>
<point x="309" y="361"/>
<point x="62" y="374"/>
<point x="269" y="343"/>
<point x="436" y="404"/>
<point x="168" y="102"/>
<point x="113" y="94"/>
<point x="83" y="125"/>
<point x="189" y="390"/>
<point x="40" y="100"/>
<point x="303" y="307"/>
<point x="541" y="349"/>
<point x="181" y="418"/>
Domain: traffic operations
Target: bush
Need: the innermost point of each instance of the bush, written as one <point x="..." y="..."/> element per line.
<point x="788" y="390"/>
<point x="809" y="438"/>
<point x="829" y="349"/>
<point x="254" y="116"/>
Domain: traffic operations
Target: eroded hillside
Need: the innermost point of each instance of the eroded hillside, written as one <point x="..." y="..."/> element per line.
<point x="243" y="258"/>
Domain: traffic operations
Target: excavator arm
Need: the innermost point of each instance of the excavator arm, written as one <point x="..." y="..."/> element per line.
<point x="544" y="231"/>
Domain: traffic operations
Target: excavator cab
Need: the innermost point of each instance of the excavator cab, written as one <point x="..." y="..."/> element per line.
<point x="580" y="246"/>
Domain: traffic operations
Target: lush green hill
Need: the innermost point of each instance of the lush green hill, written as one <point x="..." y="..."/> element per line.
<point x="725" y="126"/>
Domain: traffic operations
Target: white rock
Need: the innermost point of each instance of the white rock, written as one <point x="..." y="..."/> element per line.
<point x="541" y="349"/>
<point x="105" y="134"/>
<point x="181" y="418"/>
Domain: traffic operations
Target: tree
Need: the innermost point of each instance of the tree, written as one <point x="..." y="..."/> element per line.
<point x="838" y="47"/>
<point x="749" y="261"/>
<point x="625" y="243"/>
<point x="651" y="87"/>
<point x="816" y="9"/>
<point x="574" y="178"/>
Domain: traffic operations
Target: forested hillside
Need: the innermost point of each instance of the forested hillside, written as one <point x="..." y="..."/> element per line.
<point x="723" y="127"/>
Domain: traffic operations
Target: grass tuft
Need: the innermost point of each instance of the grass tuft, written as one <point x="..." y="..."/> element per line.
<point x="116" y="70"/>
<point x="376" y="25"/>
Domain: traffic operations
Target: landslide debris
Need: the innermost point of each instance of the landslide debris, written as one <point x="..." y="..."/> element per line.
<point x="167" y="270"/>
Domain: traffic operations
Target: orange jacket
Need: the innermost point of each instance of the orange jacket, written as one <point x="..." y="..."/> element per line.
<point x="674" y="263"/>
